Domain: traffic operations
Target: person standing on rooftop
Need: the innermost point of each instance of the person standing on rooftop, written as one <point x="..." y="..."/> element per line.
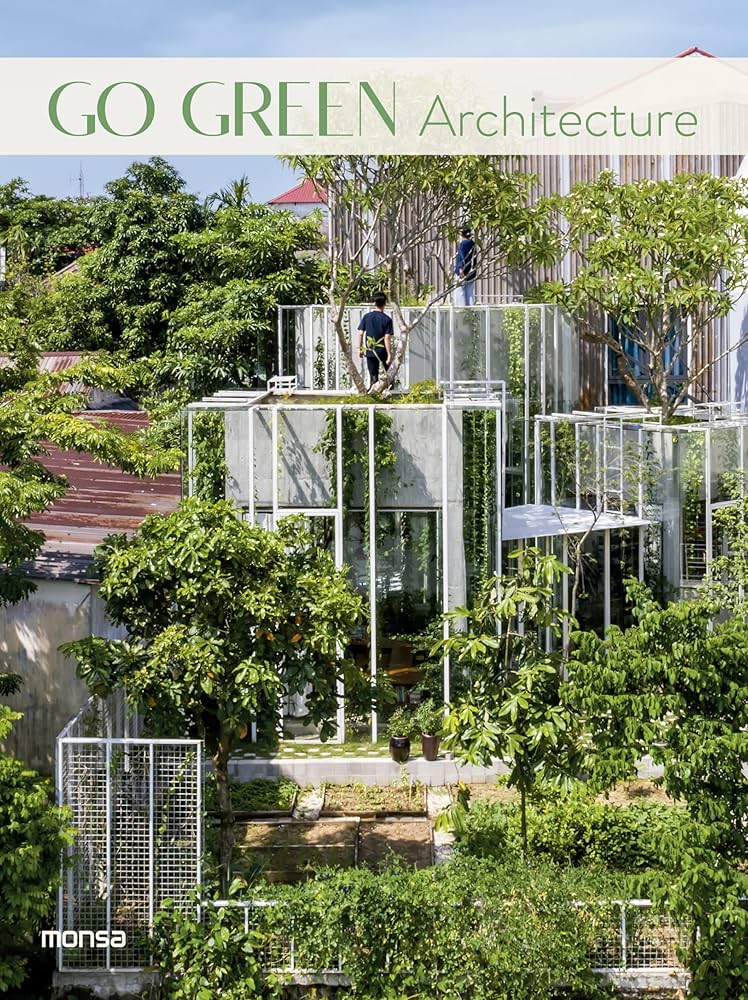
<point x="375" y="338"/>
<point x="465" y="269"/>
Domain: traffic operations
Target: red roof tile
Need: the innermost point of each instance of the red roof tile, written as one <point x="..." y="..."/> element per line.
<point x="306" y="193"/>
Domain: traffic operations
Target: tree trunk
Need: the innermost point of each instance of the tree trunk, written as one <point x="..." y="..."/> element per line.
<point x="345" y="347"/>
<point x="225" y="810"/>
<point x="523" y="817"/>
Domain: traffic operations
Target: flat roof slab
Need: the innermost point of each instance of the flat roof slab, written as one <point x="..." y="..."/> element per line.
<point x="532" y="520"/>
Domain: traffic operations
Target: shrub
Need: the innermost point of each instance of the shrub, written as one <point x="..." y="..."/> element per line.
<point x="203" y="959"/>
<point x="572" y="829"/>
<point x="429" y="718"/>
<point x="34" y="832"/>
<point x="403" y="722"/>
<point x="470" y="928"/>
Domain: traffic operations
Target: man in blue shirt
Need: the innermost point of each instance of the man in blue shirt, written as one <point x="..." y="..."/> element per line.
<point x="465" y="269"/>
<point x="375" y="338"/>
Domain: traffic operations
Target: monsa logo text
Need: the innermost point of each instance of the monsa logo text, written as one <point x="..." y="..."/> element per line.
<point x="84" y="939"/>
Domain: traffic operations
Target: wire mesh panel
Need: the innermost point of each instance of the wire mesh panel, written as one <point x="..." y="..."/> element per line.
<point x="634" y="935"/>
<point x="136" y="807"/>
<point x="652" y="939"/>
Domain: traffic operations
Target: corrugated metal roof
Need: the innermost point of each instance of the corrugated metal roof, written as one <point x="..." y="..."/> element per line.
<point x="49" y="361"/>
<point x="102" y="499"/>
<point x="306" y="193"/>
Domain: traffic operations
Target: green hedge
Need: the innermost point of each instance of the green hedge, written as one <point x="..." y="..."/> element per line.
<point x="469" y="929"/>
<point x="573" y="829"/>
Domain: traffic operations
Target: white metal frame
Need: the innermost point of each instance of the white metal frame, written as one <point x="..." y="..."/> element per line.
<point x="444" y="362"/>
<point x="461" y="395"/>
<point x="72" y="790"/>
<point x="609" y="425"/>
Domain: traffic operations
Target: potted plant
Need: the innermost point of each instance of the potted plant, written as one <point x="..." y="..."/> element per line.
<point x="429" y="718"/>
<point x="400" y="728"/>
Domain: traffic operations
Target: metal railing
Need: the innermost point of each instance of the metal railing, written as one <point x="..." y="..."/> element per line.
<point x="638" y="938"/>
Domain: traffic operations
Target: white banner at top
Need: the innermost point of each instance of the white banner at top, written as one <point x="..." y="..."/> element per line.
<point x="694" y="105"/>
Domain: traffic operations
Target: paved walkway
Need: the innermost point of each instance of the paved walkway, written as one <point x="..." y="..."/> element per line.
<point x="363" y="770"/>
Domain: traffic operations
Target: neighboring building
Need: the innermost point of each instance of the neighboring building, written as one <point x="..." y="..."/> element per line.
<point x="302" y="200"/>
<point x="65" y="606"/>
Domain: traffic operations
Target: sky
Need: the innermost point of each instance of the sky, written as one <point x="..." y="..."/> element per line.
<point x="152" y="28"/>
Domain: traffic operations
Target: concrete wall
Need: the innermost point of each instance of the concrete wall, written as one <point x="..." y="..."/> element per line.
<point x="304" y="479"/>
<point x="30" y="635"/>
<point x="304" y="474"/>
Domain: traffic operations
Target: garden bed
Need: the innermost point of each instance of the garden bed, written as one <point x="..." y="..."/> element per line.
<point x="293" y="851"/>
<point x="409" y="840"/>
<point x="374" y="800"/>
<point x="262" y="797"/>
<point x="625" y="794"/>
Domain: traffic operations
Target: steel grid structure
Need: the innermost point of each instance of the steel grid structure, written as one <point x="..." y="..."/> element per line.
<point x="446" y="344"/>
<point x="639" y="938"/>
<point x="671" y="478"/>
<point x="136" y="806"/>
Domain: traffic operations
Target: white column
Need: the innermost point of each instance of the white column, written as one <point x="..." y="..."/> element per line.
<point x="606" y="579"/>
<point x="251" y="464"/>
<point x="373" y="651"/>
<point x="190" y="455"/>
<point x="274" y="460"/>
<point x="340" y="735"/>
<point x="445" y="541"/>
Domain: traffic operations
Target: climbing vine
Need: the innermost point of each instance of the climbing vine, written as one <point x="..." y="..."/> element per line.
<point x="209" y="470"/>
<point x="479" y="494"/>
<point x="355" y="449"/>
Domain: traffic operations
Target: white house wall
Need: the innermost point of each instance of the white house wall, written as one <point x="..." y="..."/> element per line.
<point x="32" y="631"/>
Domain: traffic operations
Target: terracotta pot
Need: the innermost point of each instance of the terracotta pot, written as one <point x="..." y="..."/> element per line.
<point x="430" y="746"/>
<point x="399" y="748"/>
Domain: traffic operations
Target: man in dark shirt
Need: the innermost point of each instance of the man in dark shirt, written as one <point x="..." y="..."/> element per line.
<point x="375" y="338"/>
<point x="465" y="269"/>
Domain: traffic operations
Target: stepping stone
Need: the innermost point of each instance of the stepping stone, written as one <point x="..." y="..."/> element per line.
<point x="309" y="803"/>
<point x="437" y="799"/>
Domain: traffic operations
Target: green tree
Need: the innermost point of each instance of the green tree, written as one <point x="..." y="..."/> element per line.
<point x="393" y="209"/>
<point x="513" y="707"/>
<point x="223" y="617"/>
<point x="127" y="287"/>
<point x="663" y="259"/>
<point x="36" y="412"/>
<point x="34" y="834"/>
<point x="224" y="330"/>
<point x="236" y="195"/>
<point x="675" y="686"/>
<point x="41" y="234"/>
<point x="193" y="290"/>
